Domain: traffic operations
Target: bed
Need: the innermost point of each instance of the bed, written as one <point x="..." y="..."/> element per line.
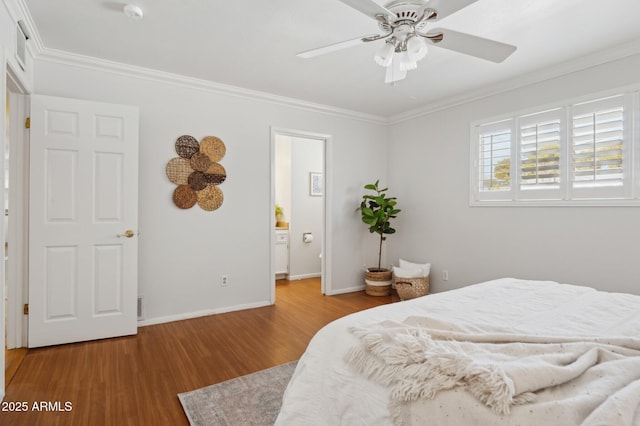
<point x="502" y="352"/>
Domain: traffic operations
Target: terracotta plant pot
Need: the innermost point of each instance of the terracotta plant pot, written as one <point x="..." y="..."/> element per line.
<point x="378" y="281"/>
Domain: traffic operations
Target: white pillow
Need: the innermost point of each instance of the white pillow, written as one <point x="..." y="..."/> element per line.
<point x="426" y="267"/>
<point x="408" y="272"/>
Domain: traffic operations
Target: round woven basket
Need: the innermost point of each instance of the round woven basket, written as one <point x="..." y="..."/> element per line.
<point x="216" y="174"/>
<point x="378" y="282"/>
<point x="210" y="198"/>
<point x="197" y="181"/>
<point x="184" y="197"/>
<point x="213" y="147"/>
<point x="178" y="170"/>
<point x="200" y="161"/>
<point x="186" y="146"/>
<point x="410" y="288"/>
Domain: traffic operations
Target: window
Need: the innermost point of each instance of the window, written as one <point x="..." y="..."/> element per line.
<point x="578" y="153"/>
<point x="495" y="157"/>
<point x="539" y="140"/>
<point x="598" y="142"/>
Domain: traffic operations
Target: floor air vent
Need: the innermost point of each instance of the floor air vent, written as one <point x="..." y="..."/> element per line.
<point x="140" y="308"/>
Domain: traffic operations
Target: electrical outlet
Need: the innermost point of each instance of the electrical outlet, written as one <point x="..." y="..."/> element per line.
<point x="445" y="275"/>
<point x="224" y="280"/>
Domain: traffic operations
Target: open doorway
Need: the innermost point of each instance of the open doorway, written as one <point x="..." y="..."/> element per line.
<point x="300" y="194"/>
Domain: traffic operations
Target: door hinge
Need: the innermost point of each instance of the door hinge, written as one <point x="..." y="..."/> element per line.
<point x="25" y="309"/>
<point x="27" y="123"/>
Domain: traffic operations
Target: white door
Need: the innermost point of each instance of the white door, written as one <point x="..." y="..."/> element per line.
<point x="83" y="197"/>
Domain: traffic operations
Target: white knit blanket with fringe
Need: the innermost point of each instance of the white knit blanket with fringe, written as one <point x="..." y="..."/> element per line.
<point x="520" y="379"/>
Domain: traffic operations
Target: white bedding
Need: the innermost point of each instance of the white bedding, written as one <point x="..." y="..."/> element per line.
<point x="325" y="390"/>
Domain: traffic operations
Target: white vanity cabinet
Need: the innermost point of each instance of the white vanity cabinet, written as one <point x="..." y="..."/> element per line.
<point x="282" y="253"/>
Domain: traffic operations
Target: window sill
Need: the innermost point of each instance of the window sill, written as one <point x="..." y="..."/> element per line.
<point x="558" y="203"/>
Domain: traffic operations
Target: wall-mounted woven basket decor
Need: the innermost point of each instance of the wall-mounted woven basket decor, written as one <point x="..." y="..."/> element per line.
<point x="178" y="170"/>
<point x="216" y="174"/>
<point x="210" y="198"/>
<point x="197" y="173"/>
<point x="184" y="197"/>
<point x="200" y="161"/>
<point x="213" y="147"/>
<point x="186" y="146"/>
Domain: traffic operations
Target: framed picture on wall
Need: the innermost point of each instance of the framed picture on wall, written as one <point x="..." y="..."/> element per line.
<point x="315" y="184"/>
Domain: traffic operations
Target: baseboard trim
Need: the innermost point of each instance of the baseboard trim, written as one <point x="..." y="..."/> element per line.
<point x="203" y="313"/>
<point x="345" y="290"/>
<point x="303" y="276"/>
<point x="206" y="312"/>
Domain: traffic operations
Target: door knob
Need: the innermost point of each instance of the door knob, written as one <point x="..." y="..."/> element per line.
<point x="128" y="233"/>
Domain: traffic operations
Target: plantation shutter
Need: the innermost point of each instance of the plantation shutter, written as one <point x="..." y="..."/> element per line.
<point x="540" y="138"/>
<point x="494" y="160"/>
<point x="585" y="153"/>
<point x="599" y="167"/>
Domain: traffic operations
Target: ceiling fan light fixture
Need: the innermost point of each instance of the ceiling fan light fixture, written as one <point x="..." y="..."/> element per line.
<point x="402" y="23"/>
<point x="394" y="71"/>
<point x="417" y="48"/>
<point x="385" y="55"/>
<point x="407" y="63"/>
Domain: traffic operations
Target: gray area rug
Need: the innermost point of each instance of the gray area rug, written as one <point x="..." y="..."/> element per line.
<point x="254" y="399"/>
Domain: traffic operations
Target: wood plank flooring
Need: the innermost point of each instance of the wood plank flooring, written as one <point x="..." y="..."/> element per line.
<point x="135" y="380"/>
<point x="13" y="358"/>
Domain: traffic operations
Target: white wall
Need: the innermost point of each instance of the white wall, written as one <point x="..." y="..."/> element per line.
<point x="429" y="172"/>
<point x="183" y="253"/>
<point x="306" y="211"/>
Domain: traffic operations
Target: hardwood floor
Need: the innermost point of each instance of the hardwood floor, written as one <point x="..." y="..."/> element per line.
<point x="13" y="358"/>
<point x="135" y="380"/>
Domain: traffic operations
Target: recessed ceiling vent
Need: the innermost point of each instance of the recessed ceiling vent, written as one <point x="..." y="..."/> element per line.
<point x="22" y="35"/>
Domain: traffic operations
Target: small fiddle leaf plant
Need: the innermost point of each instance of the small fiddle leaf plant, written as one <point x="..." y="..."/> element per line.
<point x="377" y="210"/>
<point x="279" y="211"/>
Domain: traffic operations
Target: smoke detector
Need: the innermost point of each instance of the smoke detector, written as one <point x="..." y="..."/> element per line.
<point x="134" y="12"/>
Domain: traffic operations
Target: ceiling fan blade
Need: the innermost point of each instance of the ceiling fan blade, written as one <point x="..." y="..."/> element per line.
<point x="369" y="8"/>
<point x="332" y="47"/>
<point x="468" y="44"/>
<point x="445" y="8"/>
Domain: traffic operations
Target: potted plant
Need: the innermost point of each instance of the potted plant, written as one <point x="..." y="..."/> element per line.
<point x="377" y="211"/>
<point x="279" y="216"/>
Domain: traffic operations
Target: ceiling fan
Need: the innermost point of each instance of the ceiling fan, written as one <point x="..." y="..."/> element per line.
<point x="402" y="23"/>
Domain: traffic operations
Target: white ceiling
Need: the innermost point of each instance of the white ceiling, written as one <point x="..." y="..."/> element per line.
<point x="252" y="44"/>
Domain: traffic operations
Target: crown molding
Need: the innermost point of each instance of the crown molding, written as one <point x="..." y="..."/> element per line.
<point x="66" y="58"/>
<point x="18" y="10"/>
<point x="579" y="64"/>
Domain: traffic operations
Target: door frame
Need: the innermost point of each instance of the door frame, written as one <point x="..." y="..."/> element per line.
<point x="16" y="272"/>
<point x="11" y="80"/>
<point x="326" y="240"/>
